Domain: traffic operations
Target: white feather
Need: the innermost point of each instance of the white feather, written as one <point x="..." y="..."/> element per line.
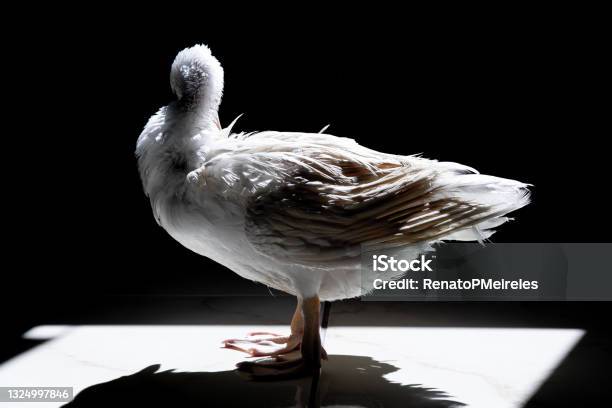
<point x="292" y="210"/>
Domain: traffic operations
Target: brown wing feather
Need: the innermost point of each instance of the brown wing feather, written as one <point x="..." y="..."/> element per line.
<point x="322" y="216"/>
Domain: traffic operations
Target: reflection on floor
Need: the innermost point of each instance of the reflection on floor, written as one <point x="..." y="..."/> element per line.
<point x="369" y="366"/>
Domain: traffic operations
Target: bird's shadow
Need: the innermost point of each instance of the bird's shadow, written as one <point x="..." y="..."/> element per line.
<point x="351" y="381"/>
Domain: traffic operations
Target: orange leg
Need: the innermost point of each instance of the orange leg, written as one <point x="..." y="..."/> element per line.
<point x="311" y="351"/>
<point x="264" y="344"/>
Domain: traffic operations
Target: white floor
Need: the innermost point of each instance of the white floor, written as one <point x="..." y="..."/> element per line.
<point x="381" y="366"/>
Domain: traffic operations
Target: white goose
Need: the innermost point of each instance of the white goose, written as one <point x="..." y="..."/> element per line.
<point x="294" y="210"/>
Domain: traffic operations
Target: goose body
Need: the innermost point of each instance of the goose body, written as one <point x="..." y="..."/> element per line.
<point x="294" y="211"/>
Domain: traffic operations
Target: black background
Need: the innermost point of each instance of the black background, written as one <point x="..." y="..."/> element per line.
<point x="517" y="93"/>
<point x="521" y="98"/>
<point x="514" y="93"/>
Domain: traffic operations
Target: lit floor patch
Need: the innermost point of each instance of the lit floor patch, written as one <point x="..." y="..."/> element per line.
<point x="369" y="366"/>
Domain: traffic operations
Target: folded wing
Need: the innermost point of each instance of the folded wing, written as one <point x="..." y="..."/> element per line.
<point x="316" y="199"/>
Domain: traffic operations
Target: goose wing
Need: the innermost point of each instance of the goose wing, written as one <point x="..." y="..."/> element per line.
<point x="315" y="199"/>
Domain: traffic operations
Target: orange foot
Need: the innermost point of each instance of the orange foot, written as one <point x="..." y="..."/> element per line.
<point x="264" y="344"/>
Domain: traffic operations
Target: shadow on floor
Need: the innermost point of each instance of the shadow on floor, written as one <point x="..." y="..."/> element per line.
<point x="348" y="381"/>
